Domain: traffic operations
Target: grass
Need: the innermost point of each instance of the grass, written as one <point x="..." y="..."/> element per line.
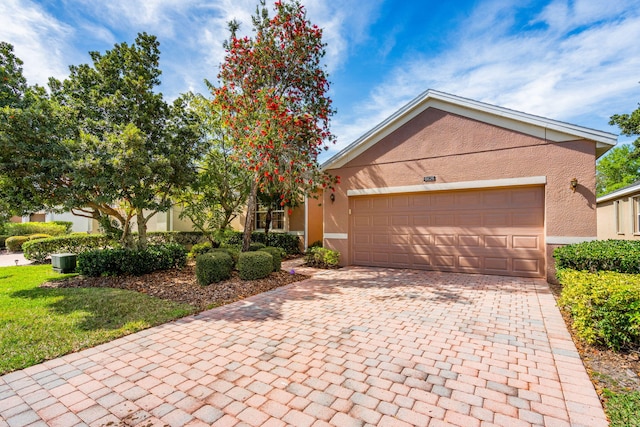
<point x="623" y="408"/>
<point x="38" y="324"/>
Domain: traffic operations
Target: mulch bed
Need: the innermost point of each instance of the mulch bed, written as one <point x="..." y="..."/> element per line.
<point x="181" y="286"/>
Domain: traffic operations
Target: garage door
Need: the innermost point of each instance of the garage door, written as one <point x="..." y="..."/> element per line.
<point x="493" y="231"/>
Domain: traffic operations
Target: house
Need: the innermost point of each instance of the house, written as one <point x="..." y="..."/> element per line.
<point x="619" y="214"/>
<point x="452" y="184"/>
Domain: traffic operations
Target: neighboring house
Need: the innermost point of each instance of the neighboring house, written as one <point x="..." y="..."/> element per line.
<point x="619" y="214"/>
<point x="451" y="184"/>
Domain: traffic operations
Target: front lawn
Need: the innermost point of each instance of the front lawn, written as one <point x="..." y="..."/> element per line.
<point x="39" y="323"/>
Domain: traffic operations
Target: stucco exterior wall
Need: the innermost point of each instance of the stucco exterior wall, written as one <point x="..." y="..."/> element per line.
<point x="457" y="149"/>
<point x="606" y="213"/>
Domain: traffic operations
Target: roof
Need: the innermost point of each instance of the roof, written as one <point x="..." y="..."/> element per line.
<point x="537" y="126"/>
<point x="621" y="192"/>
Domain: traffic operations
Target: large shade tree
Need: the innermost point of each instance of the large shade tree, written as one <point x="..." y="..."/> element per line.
<point x="132" y="151"/>
<point x="629" y="125"/>
<point x="32" y="133"/>
<point x="617" y="169"/>
<point x="274" y="104"/>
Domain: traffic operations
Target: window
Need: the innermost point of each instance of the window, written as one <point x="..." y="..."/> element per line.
<point x="277" y="217"/>
<point x="619" y="216"/>
<point x="636" y="214"/>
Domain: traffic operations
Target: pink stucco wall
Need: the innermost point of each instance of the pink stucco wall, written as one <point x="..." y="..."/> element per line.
<point x="456" y="149"/>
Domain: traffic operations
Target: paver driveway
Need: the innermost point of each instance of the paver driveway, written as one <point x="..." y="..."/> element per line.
<point x="351" y="347"/>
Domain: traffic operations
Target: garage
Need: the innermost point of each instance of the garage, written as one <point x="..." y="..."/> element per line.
<point x="488" y="231"/>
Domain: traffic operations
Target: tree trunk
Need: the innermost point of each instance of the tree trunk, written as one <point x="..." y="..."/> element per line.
<point x="267" y="222"/>
<point x="251" y="215"/>
<point x="142" y="229"/>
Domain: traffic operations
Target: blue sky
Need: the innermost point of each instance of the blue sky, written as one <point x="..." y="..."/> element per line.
<point x="572" y="60"/>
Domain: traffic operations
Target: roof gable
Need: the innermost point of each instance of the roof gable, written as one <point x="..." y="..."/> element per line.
<point x="537" y="126"/>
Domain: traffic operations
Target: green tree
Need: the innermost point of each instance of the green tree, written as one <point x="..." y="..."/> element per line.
<point x="617" y="169"/>
<point x="274" y="103"/>
<point x="629" y="125"/>
<point x="32" y="131"/>
<point x="219" y="192"/>
<point x="133" y="151"/>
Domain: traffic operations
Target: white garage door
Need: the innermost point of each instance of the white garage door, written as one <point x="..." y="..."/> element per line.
<point x="491" y="231"/>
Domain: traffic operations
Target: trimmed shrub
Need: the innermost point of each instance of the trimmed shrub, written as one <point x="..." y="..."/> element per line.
<point x="254" y="265"/>
<point x="322" y="258"/>
<point x="213" y="267"/>
<point x="232" y="251"/>
<point x="276" y="253"/>
<point x="622" y="256"/>
<point x="14" y="243"/>
<point x="200" y="248"/>
<point x="27" y="228"/>
<point x="76" y="243"/>
<point x="67" y="224"/>
<point x="255" y="246"/>
<point x="605" y="306"/>
<point x="133" y="262"/>
<point x="288" y="242"/>
<point x="184" y="238"/>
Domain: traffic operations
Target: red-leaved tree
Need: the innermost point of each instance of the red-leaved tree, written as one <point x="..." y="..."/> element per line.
<point x="273" y="97"/>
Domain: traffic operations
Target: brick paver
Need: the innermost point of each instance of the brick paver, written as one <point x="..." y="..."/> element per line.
<point x="355" y="346"/>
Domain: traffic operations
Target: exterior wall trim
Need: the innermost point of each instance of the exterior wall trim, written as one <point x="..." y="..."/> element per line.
<point x="568" y="240"/>
<point x="296" y="233"/>
<point x="461" y="185"/>
<point x="337" y="236"/>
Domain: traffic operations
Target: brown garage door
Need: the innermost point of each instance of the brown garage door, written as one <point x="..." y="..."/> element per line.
<point x="493" y="231"/>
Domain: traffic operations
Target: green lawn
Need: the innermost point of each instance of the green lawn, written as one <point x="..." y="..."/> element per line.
<point x="623" y="408"/>
<point x="37" y="324"/>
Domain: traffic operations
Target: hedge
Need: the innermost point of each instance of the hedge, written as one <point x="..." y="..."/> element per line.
<point x="622" y="256"/>
<point x="322" y="258"/>
<point x="288" y="242"/>
<point x="184" y="238"/>
<point x="27" y="228"/>
<point x="605" y="306"/>
<point x="16" y="243"/>
<point x="39" y="250"/>
<point x="133" y="262"/>
<point x="254" y="265"/>
<point x="213" y="267"/>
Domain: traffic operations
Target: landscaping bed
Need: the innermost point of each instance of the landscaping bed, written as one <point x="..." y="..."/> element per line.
<point x="181" y="286"/>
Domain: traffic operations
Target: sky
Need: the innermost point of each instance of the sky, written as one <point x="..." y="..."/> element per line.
<point x="577" y="61"/>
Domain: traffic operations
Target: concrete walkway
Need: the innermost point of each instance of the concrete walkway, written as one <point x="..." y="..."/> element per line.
<point x="9" y="260"/>
<point x="350" y="347"/>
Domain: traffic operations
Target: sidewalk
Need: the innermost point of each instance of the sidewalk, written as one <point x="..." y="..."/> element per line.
<point x="9" y="259"/>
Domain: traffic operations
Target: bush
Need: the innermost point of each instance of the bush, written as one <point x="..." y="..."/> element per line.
<point x="288" y="242"/>
<point x="254" y="265"/>
<point x="213" y="267"/>
<point x="622" y="256"/>
<point x="605" y="306"/>
<point x="184" y="238"/>
<point x="276" y="253"/>
<point x="39" y="250"/>
<point x="322" y="258"/>
<point x="316" y="244"/>
<point x="134" y="262"/>
<point x="14" y="243"/>
<point x="200" y="248"/>
<point x="27" y="228"/>
<point x="256" y="246"/>
<point x="232" y="251"/>
<point x="67" y="224"/>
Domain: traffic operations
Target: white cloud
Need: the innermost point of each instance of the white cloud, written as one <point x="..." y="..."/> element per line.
<point x="583" y="61"/>
<point x="38" y="39"/>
